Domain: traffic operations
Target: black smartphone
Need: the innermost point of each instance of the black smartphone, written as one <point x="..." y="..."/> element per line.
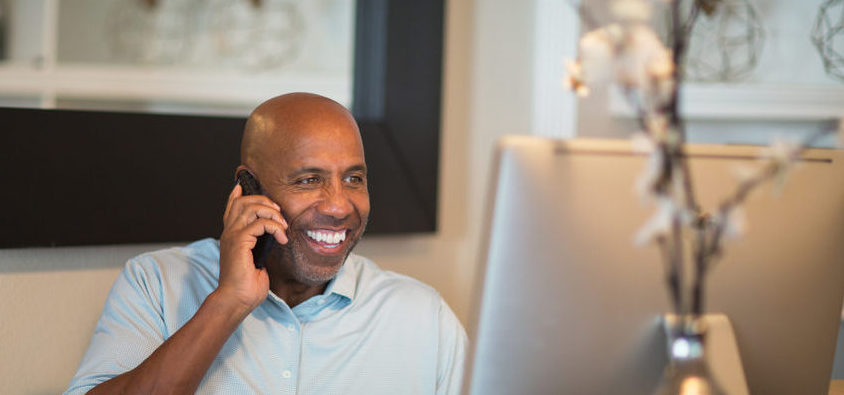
<point x="265" y="242"/>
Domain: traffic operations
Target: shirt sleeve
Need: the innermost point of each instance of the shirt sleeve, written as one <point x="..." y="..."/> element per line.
<point x="451" y="353"/>
<point x="130" y="328"/>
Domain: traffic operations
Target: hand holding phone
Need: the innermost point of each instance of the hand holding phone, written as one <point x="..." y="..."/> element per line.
<point x="266" y="241"/>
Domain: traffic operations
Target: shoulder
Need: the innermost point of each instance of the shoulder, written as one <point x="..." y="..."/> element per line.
<point x="372" y="281"/>
<point x="193" y="265"/>
<point x="409" y="302"/>
<point x="202" y="255"/>
<point x="400" y="296"/>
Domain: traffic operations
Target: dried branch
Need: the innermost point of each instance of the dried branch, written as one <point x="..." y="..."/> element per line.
<point x="651" y="76"/>
<point x="679" y="44"/>
<point x="676" y="258"/>
<point x="744" y="188"/>
<point x="709" y="248"/>
<point x="586" y="16"/>
<point x="672" y="277"/>
<point x="708" y="6"/>
<point x="693" y="14"/>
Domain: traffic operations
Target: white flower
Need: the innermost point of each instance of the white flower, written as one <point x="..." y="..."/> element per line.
<point x="631" y="10"/>
<point x="736" y="223"/>
<point x="659" y="225"/>
<point x="644" y="59"/>
<point x="646" y="180"/>
<point x="657" y="125"/>
<point x="661" y="72"/>
<point x="597" y="52"/>
<point x="574" y="78"/>
<point x="782" y="153"/>
<point x="641" y="143"/>
<point x="744" y="173"/>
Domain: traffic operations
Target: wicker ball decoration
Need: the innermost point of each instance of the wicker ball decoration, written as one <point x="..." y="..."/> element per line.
<point x="828" y="38"/>
<point x="262" y="35"/>
<point x="150" y="32"/>
<point x="726" y="45"/>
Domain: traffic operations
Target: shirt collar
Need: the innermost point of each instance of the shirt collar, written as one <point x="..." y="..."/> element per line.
<point x="345" y="282"/>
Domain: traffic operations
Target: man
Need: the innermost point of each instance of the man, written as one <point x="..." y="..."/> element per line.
<point x="315" y="320"/>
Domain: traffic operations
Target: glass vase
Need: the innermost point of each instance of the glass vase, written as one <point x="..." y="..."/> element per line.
<point x="687" y="371"/>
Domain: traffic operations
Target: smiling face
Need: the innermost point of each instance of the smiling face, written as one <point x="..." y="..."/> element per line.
<point x="312" y="164"/>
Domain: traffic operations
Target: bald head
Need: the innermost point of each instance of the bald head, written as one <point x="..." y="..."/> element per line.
<point x="285" y="118"/>
<point x="306" y="152"/>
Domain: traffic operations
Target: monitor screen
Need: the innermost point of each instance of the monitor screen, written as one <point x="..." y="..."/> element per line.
<point x="568" y="303"/>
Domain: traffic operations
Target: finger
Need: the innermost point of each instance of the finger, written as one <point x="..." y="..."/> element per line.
<point x="241" y="205"/>
<point x="256" y="212"/>
<point x="268" y="213"/>
<point x="262" y="226"/>
<point x="249" y="211"/>
<point x="258" y="199"/>
<point x="234" y="194"/>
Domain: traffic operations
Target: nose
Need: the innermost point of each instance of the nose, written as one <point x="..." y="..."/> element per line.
<point x="335" y="202"/>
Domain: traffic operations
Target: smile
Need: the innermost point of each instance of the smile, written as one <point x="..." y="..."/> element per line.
<point x="327" y="238"/>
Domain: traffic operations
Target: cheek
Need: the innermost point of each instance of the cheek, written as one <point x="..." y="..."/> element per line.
<point x="293" y="207"/>
<point x="361" y="202"/>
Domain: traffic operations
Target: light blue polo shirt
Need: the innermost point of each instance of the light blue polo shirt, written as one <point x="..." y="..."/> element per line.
<point x="371" y="331"/>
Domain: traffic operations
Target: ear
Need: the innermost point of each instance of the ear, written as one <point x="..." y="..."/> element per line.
<point x="240" y="168"/>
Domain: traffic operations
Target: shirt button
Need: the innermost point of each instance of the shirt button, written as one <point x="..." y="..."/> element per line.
<point x="291" y="328"/>
<point x="286" y="374"/>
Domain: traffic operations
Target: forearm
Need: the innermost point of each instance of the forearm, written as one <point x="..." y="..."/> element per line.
<point x="179" y="364"/>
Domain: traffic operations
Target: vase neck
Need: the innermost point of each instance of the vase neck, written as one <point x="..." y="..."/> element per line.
<point x="686" y="346"/>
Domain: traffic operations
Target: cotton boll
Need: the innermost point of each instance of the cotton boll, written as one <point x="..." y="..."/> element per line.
<point x="631" y="10"/>
<point x="650" y="175"/>
<point x="596" y="56"/>
<point x="574" y="78"/>
<point x="659" y="225"/>
<point x="657" y="125"/>
<point x="781" y="153"/>
<point x="643" y="59"/>
<point x="744" y="173"/>
<point x="736" y="223"/>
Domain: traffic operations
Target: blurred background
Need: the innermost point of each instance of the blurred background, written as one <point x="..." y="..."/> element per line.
<point x="502" y="72"/>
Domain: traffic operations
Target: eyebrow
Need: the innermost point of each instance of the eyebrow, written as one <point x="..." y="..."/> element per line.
<point x="318" y="170"/>
<point x="361" y="168"/>
<point x="306" y="170"/>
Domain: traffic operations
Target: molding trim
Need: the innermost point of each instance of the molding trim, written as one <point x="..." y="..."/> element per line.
<point x="140" y="83"/>
<point x="556" y="34"/>
<point x="751" y="101"/>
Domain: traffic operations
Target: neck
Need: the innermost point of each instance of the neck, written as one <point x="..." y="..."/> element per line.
<point x="285" y="285"/>
<point x="293" y="292"/>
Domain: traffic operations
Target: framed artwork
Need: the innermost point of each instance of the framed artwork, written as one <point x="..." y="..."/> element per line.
<point x="92" y="177"/>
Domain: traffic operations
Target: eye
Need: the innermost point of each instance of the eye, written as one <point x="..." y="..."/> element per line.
<point x="308" y="180"/>
<point x="354" y="179"/>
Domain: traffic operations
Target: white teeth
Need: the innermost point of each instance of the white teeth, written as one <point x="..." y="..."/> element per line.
<point x="327" y="237"/>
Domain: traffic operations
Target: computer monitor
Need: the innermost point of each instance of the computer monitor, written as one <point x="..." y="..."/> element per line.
<point x="569" y="305"/>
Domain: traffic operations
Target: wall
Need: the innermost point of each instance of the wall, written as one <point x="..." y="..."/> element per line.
<point x="49" y="302"/>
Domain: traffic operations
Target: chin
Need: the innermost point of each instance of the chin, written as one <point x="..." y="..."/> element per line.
<point x="315" y="254"/>
<point x="317" y="276"/>
<point x="316" y="269"/>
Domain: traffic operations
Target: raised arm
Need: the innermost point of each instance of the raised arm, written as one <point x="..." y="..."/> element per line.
<point x="180" y="362"/>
